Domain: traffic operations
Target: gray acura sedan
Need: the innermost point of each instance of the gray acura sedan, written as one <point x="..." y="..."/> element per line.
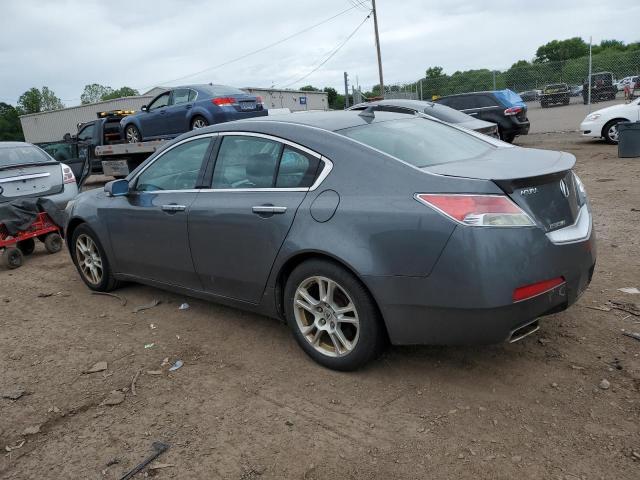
<point x="356" y="228"/>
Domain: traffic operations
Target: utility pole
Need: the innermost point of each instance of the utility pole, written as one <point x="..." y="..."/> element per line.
<point x="346" y="91"/>
<point x="375" y="26"/>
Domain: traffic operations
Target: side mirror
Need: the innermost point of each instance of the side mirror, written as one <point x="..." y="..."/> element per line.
<point x="117" y="188"/>
<point x="67" y="137"/>
<point x="144" y="108"/>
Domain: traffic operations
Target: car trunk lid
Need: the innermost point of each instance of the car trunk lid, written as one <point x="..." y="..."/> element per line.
<point x="539" y="181"/>
<point x="33" y="180"/>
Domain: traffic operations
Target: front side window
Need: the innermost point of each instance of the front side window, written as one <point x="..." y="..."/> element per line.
<point x="246" y="162"/>
<point x="419" y="141"/>
<point x="86" y="133"/>
<point x="161" y="101"/>
<point x="177" y="169"/>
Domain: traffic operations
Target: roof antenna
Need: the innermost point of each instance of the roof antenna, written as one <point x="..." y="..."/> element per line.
<point x="368" y="112"/>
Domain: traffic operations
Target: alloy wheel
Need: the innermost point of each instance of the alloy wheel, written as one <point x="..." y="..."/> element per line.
<point x="326" y="316"/>
<point x="89" y="259"/>
<point x="612" y="133"/>
<point x="132" y="135"/>
<point x="199" y="123"/>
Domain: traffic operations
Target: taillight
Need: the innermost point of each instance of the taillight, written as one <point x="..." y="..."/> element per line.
<point x="67" y="174"/>
<point x="535" y="289"/>
<point x="223" y="101"/>
<point x="478" y="210"/>
<point x="512" y="111"/>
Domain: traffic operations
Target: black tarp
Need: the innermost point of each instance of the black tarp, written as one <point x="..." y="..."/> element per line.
<point x="18" y="215"/>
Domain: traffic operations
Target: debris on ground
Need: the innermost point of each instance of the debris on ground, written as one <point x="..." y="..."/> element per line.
<point x="153" y="326"/>
<point x="631" y="308"/>
<point x="31" y="430"/>
<point x="116" y="397"/>
<point x="123" y="300"/>
<point x="17" y="355"/>
<point x="184" y="306"/>
<point x="97" y="367"/>
<point x="598" y="307"/>
<point x="631" y="290"/>
<point x="604" y="384"/>
<point x="48" y="294"/>
<point x="635" y="335"/>
<point x="13" y="394"/>
<point x="149" y="345"/>
<point x="158" y="449"/>
<point x="165" y="361"/>
<point x="133" y="383"/>
<point x="53" y="409"/>
<point x="159" y="466"/>
<point x="16" y="446"/>
<point x="140" y="308"/>
<point x="176" y="366"/>
<point x="154" y="372"/>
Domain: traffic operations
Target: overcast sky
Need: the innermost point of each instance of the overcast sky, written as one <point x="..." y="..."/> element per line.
<point x="66" y="44"/>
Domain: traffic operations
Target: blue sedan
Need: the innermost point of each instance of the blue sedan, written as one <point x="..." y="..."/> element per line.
<point x="185" y="108"/>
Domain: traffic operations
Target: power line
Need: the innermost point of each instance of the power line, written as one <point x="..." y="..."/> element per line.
<point x="332" y="53"/>
<point x="262" y="49"/>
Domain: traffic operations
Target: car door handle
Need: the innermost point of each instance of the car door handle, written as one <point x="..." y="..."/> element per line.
<point x="173" y="208"/>
<point x="268" y="209"/>
<point x="473" y="113"/>
<point x="188" y="107"/>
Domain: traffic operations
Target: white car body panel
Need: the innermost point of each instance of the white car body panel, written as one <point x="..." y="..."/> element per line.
<point x="627" y="111"/>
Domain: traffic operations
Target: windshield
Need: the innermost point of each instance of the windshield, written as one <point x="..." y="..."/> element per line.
<point x="21" y="155"/>
<point x="419" y="141"/>
<point x="222" y="90"/>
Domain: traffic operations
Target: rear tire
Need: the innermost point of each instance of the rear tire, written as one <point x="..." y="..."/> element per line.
<point x="198" y="122"/>
<point x="53" y="242"/>
<point x="13" y="258"/>
<point x="132" y="134"/>
<point x="339" y="325"/>
<point x="91" y="261"/>
<point x="27" y="246"/>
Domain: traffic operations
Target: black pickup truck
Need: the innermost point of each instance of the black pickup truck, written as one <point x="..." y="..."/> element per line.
<point x="98" y="148"/>
<point x="602" y="88"/>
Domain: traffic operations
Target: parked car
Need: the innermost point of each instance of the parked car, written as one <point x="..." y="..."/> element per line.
<point x="356" y="228"/>
<point x="529" y="95"/>
<point x="604" y="123"/>
<point x="503" y="107"/>
<point x="555" y="93"/>
<point x="185" y="108"/>
<point x="602" y="87"/>
<point x="433" y="110"/>
<point x="27" y="171"/>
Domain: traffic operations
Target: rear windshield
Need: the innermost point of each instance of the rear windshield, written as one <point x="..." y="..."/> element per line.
<point x="447" y="114"/>
<point x="222" y="90"/>
<point x="419" y="141"/>
<point x="21" y="155"/>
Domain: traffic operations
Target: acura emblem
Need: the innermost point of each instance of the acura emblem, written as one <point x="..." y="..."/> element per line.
<point x="564" y="189"/>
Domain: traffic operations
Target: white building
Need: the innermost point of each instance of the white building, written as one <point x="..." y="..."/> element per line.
<point x="51" y="126"/>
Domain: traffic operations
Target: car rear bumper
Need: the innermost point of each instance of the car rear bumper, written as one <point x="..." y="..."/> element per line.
<point x="517" y="127"/>
<point x="468" y="298"/>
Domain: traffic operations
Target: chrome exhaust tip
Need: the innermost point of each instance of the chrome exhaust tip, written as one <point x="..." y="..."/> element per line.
<point x="524" y="331"/>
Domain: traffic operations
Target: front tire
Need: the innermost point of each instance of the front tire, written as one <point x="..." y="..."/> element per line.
<point x="610" y="132"/>
<point x="132" y="134"/>
<point x="198" y="122"/>
<point x="91" y="260"/>
<point x="332" y="315"/>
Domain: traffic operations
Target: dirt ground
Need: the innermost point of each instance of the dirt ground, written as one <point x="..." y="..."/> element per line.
<point x="249" y="404"/>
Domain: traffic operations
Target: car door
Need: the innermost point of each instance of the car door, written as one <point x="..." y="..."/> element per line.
<point x="148" y="228"/>
<point x="177" y="111"/>
<point x="153" y="121"/>
<point x="237" y="227"/>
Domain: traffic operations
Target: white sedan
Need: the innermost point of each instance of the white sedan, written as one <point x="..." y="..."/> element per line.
<point x="604" y="123"/>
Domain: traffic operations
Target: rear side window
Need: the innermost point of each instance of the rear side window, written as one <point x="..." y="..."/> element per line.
<point x="297" y="169"/>
<point x="419" y="141"/>
<point x="481" y="101"/>
<point x="22" y="155"/>
<point x="180" y="96"/>
<point x="246" y="162"/>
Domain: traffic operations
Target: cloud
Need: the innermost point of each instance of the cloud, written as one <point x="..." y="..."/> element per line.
<point x="67" y="44"/>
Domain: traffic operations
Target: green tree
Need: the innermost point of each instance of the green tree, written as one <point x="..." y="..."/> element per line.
<point x="10" y="127"/>
<point x="332" y="97"/>
<point x="557" y="50"/>
<point x="613" y="44"/>
<point x="94" y="93"/>
<point x="119" y="93"/>
<point x="309" y="88"/>
<point x="49" y="100"/>
<point x="30" y="101"/>
<point x="434" y="72"/>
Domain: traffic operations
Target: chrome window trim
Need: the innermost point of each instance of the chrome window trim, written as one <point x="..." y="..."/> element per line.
<point x="326" y="169"/>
